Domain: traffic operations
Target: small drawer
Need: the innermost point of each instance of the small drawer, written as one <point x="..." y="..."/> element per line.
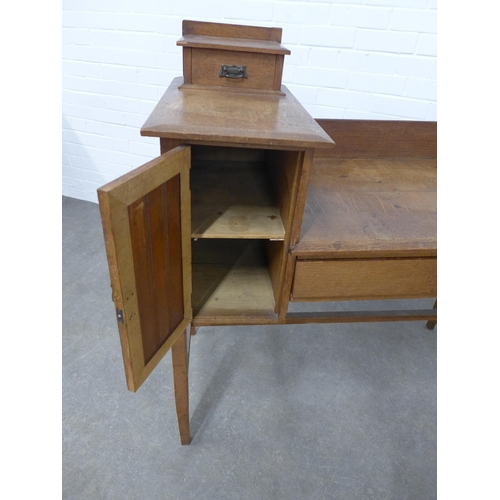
<point x="232" y="57"/>
<point x="364" y="279"/>
<point x="221" y="68"/>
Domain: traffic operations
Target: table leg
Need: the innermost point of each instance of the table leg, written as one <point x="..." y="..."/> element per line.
<point x="431" y="324"/>
<point x="181" y="387"/>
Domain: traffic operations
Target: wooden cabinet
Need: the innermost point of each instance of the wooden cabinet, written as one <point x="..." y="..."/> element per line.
<point x="242" y="206"/>
<point x="232" y="57"/>
<point x="250" y="206"/>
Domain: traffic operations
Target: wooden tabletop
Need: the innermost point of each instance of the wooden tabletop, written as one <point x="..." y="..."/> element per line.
<point x="370" y="207"/>
<point x="234" y="117"/>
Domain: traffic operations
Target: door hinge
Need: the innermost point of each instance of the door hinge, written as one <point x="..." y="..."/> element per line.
<point x="119" y="316"/>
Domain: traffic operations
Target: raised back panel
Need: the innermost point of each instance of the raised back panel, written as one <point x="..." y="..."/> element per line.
<point x="379" y="138"/>
<point x="231" y="30"/>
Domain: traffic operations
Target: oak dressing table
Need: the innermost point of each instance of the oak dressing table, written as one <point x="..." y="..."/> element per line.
<point x="250" y="206"/>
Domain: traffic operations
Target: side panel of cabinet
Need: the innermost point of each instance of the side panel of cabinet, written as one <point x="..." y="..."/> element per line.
<point x="146" y="224"/>
<point x="290" y="171"/>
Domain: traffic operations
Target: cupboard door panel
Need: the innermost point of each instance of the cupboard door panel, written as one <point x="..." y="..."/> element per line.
<point x="146" y="224"/>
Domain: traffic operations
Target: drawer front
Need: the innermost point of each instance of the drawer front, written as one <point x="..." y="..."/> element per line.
<point x="364" y="279"/>
<point x="260" y="69"/>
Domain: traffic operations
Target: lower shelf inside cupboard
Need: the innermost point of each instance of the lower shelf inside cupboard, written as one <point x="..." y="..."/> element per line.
<point x="231" y="279"/>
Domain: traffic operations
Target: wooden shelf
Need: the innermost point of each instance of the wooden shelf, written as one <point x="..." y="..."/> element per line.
<point x="234" y="44"/>
<point x="231" y="280"/>
<point x="233" y="200"/>
<point x="237" y="221"/>
<point x="232" y="291"/>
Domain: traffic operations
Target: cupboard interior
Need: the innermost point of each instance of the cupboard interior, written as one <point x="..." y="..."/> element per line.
<point x="241" y="204"/>
<point x="231" y="278"/>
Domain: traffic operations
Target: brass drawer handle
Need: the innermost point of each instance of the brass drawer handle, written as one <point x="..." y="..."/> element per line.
<point x="233" y="71"/>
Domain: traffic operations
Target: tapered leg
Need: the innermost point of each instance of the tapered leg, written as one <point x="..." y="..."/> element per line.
<point x="431" y="324"/>
<point x="181" y="387"/>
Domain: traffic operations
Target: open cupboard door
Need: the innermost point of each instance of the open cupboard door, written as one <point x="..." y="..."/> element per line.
<point x="146" y="218"/>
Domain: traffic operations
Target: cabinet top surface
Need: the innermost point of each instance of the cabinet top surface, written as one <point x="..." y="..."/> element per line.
<point x="370" y="207"/>
<point x="244" y="118"/>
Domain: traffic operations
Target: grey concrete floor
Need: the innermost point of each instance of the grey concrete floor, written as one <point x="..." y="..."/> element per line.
<point x="277" y="412"/>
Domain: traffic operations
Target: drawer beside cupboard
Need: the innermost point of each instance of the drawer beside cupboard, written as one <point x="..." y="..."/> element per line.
<point x="364" y="279"/>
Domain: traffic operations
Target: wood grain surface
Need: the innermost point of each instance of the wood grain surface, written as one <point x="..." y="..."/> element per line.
<point x="180" y="369"/>
<point x="156" y="246"/>
<point x="145" y="215"/>
<point x="364" y="279"/>
<point x="233" y="199"/>
<point x="380" y="139"/>
<point x="231" y="280"/>
<point x="236" y="44"/>
<point x="236" y="119"/>
<point x="370" y="207"/>
<point x="260" y="68"/>
<point x="360" y="316"/>
<point x="203" y="28"/>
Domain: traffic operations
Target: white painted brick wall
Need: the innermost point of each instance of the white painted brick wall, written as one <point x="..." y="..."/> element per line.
<point x="351" y="59"/>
